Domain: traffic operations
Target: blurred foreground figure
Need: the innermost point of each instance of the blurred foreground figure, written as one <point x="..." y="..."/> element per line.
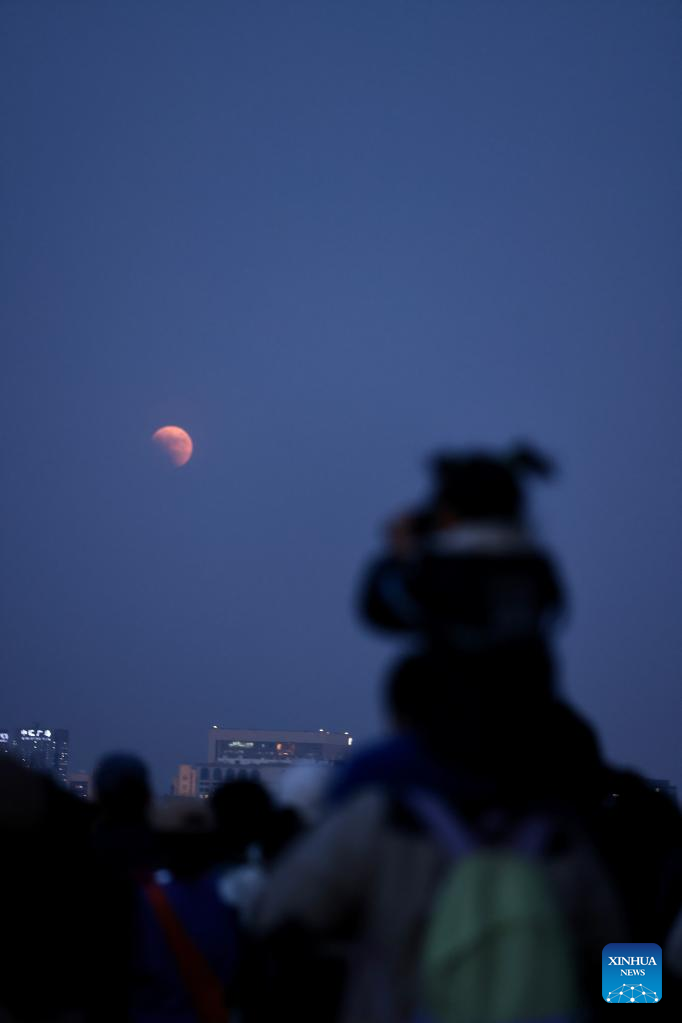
<point x="476" y="863"/>
<point x="464" y="573"/>
<point x="243" y="812"/>
<point x="486" y="718"/>
<point x="187" y="941"/>
<point x="191" y="960"/>
<point x="452" y="859"/>
<point x="122" y="842"/>
<point x="122" y="832"/>
<point x="50" y="896"/>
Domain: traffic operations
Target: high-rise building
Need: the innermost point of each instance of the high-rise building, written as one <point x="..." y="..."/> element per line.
<point x="60" y="737"/>
<point x="43" y="749"/>
<point x="259" y="755"/>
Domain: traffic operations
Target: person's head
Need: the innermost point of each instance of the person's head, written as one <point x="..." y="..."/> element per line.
<point x="431" y="692"/>
<point x="184" y="840"/>
<point x="242" y="810"/>
<point x="484" y="487"/>
<point x="122" y="787"/>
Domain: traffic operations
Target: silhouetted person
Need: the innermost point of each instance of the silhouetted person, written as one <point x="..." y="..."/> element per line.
<point x="464" y="573"/>
<point x="123" y="843"/>
<point x="468" y="724"/>
<point x="188" y="940"/>
<point x="122" y="831"/>
<point x="242" y="810"/>
<point x="122" y="788"/>
<point x="48" y="894"/>
<point x="367" y="878"/>
<point x="480" y="737"/>
<point x="250" y="832"/>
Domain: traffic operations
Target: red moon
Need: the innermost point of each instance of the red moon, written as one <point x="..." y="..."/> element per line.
<point x="176" y="442"/>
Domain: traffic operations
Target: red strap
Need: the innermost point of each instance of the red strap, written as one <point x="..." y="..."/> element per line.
<point x="203" y="986"/>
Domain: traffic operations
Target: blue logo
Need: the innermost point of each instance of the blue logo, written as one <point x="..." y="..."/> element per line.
<point x="631" y="971"/>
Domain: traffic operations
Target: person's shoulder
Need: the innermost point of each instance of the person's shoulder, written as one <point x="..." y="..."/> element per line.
<point x="373" y="766"/>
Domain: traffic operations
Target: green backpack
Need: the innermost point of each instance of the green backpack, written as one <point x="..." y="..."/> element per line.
<point x="496" y="949"/>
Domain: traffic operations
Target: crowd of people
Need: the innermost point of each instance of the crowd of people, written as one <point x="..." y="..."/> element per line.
<point x="467" y="868"/>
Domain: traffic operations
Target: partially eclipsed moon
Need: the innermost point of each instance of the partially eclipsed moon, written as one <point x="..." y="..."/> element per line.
<point x="176" y="442"/>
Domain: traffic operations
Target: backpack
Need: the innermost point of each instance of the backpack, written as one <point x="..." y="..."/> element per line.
<point x="497" y="948"/>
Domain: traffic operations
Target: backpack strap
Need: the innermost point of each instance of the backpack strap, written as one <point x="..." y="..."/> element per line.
<point x="531" y="837"/>
<point x="443" y="823"/>
<point x="203" y="986"/>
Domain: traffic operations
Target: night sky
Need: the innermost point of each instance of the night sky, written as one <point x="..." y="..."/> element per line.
<point x="326" y="238"/>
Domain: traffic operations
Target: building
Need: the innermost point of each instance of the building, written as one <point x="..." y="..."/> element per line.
<point x="43" y="749"/>
<point x="259" y="755"/>
<point x="60" y="737"/>
<point x="35" y="748"/>
<point x="185" y="781"/>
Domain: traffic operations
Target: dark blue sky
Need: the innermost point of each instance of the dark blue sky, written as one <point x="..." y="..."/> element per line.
<point x="325" y="238"/>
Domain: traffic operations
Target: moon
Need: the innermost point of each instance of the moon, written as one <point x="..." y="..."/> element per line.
<point x="176" y="442"/>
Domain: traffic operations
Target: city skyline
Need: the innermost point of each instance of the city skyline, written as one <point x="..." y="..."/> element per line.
<point x="79" y="779"/>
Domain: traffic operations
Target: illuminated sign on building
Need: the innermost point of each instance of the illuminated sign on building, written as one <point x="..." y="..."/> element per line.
<point x="42" y="749"/>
